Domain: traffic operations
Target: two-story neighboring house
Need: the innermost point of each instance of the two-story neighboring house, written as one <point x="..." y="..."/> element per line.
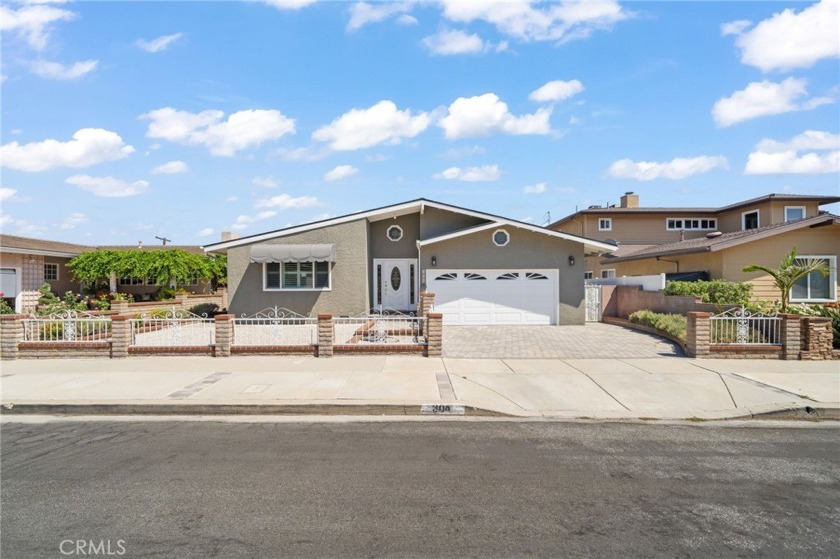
<point x="714" y="243"/>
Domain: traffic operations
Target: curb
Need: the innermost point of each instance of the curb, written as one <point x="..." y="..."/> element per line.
<point x="235" y="409"/>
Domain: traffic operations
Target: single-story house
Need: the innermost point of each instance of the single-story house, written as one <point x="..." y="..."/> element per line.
<point x="725" y="255"/>
<point x="482" y="268"/>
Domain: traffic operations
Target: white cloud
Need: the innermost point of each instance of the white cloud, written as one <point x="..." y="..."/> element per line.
<point x="58" y="71"/>
<point x="108" y="187"/>
<point x="556" y="22"/>
<point x="765" y="98"/>
<point x="676" y="169"/>
<point x="782" y="158"/>
<point x="159" y="44"/>
<point x="33" y="22"/>
<point x="74" y="220"/>
<point x="466" y="151"/>
<point x="363" y="128"/>
<point x="538" y="188"/>
<point x="486" y="114"/>
<point x="240" y="131"/>
<point x="362" y="13"/>
<point x="341" y="172"/>
<point x="232" y="199"/>
<point x="406" y="19"/>
<point x="265" y="182"/>
<point x="556" y="90"/>
<point x="206" y="232"/>
<point x="285" y="202"/>
<point x="447" y="42"/>
<point x="89" y="146"/>
<point x="171" y="168"/>
<point x="7" y="194"/>
<point x="290" y="4"/>
<point x="243" y="221"/>
<point x="734" y="27"/>
<point x="470" y="174"/>
<point x="792" y="39"/>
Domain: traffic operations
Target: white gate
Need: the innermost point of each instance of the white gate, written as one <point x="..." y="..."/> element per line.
<point x="593" y="303"/>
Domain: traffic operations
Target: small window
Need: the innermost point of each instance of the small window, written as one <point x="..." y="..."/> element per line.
<point x="588" y="275"/>
<point x="750" y="220"/>
<point x="446" y="277"/>
<point x="685" y="224"/>
<point x="297" y="275"/>
<point x="501" y="237"/>
<point x="605" y="224"/>
<point x="395" y="233"/>
<point x="471" y="276"/>
<point x="605" y="274"/>
<point x="411" y="276"/>
<point x="509" y="276"/>
<point x="379" y="284"/>
<point x="535" y="276"/>
<point x="792" y="213"/>
<point x="50" y="272"/>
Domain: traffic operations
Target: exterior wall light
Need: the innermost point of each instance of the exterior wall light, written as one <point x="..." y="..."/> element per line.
<point x="571" y="260"/>
<point x="434" y="260"/>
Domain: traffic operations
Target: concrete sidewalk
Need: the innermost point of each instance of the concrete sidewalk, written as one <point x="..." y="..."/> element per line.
<point x="667" y="388"/>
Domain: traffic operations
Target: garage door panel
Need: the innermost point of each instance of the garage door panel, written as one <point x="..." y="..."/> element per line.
<point x="496" y="299"/>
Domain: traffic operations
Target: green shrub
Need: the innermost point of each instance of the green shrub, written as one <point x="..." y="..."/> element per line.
<point x="50" y="304"/>
<point x="5" y="308"/>
<point x="720" y="292"/>
<point x="674" y="324"/>
<point x="205" y="309"/>
<point x="826" y="311"/>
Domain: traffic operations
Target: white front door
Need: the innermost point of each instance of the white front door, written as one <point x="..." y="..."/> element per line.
<point x="395" y="284"/>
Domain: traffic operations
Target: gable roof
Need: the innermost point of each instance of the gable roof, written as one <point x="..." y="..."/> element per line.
<point x="405" y="207"/>
<point x="821" y="200"/>
<point x="726" y="240"/>
<point x="27" y="245"/>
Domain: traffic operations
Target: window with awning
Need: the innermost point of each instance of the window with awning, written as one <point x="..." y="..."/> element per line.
<point x="291" y="267"/>
<point x="292" y="253"/>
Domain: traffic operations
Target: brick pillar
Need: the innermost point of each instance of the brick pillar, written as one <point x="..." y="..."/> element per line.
<point x="11" y="334"/>
<point x="223" y="292"/>
<point x="697" y="334"/>
<point x="120" y="335"/>
<point x="121" y="307"/>
<point x="427" y="303"/>
<point x="224" y="334"/>
<point x="326" y="335"/>
<point x="434" y="334"/>
<point x="181" y="300"/>
<point x="791" y="336"/>
<point x="817" y="337"/>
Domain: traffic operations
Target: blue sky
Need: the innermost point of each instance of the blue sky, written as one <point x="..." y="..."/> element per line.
<point x="122" y="121"/>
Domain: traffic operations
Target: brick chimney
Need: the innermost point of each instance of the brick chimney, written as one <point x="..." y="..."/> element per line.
<point x="229" y="236"/>
<point x="630" y="200"/>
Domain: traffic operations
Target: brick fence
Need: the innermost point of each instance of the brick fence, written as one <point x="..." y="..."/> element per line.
<point x="800" y="338"/>
<point x="13" y="346"/>
<point x="622" y="301"/>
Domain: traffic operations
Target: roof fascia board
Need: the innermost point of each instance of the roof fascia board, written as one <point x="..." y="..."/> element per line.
<point x="36" y="252"/>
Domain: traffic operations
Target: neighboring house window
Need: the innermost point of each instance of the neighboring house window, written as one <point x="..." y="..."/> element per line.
<point x="297" y="275"/>
<point x="792" y="213"/>
<point x="607" y="274"/>
<point x="816" y="287"/>
<point x="395" y="233"/>
<point x="750" y="220"/>
<point x="681" y="224"/>
<point x="588" y="275"/>
<point x="131" y="281"/>
<point x="605" y="224"/>
<point x="50" y="272"/>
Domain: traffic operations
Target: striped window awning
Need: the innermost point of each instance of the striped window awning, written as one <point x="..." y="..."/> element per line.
<point x="292" y="253"/>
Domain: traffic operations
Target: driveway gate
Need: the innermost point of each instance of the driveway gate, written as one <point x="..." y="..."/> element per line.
<point x="593" y="302"/>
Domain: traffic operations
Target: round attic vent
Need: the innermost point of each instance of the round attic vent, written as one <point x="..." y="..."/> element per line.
<point x="713" y="234"/>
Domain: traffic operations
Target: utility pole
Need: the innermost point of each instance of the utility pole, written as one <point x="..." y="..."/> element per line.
<point x="163" y="240"/>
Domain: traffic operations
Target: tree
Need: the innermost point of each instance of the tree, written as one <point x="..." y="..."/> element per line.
<point x="791" y="270"/>
<point x="162" y="266"/>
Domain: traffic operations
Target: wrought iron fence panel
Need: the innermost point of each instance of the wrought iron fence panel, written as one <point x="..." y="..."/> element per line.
<point x="275" y="326"/>
<point x="382" y="327"/>
<point x="172" y="328"/>
<point x="67" y="326"/>
<point x="738" y="326"/>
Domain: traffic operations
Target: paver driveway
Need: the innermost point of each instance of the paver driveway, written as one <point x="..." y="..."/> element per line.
<point x="595" y="341"/>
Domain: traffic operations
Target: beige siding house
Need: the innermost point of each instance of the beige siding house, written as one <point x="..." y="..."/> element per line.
<point x="716" y="242"/>
<point x="482" y="268"/>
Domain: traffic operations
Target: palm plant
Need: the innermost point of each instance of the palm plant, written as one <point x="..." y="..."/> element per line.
<point x="791" y="270"/>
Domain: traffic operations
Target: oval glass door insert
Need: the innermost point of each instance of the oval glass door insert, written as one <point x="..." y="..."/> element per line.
<point x="396" y="279"/>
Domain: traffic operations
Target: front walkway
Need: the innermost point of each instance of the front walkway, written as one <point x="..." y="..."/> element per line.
<point x="593" y="341"/>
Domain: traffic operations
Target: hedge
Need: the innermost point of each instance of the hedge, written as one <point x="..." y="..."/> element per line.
<point x="674" y="324"/>
<point x="720" y="292"/>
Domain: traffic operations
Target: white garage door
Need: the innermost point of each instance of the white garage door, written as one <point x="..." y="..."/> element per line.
<point x="495" y="296"/>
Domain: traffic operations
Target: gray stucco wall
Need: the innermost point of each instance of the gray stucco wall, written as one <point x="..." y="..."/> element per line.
<point x="349" y="294"/>
<point x="437" y="222"/>
<point x="526" y="249"/>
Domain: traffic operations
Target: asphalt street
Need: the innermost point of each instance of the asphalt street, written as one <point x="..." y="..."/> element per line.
<point x="433" y="489"/>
